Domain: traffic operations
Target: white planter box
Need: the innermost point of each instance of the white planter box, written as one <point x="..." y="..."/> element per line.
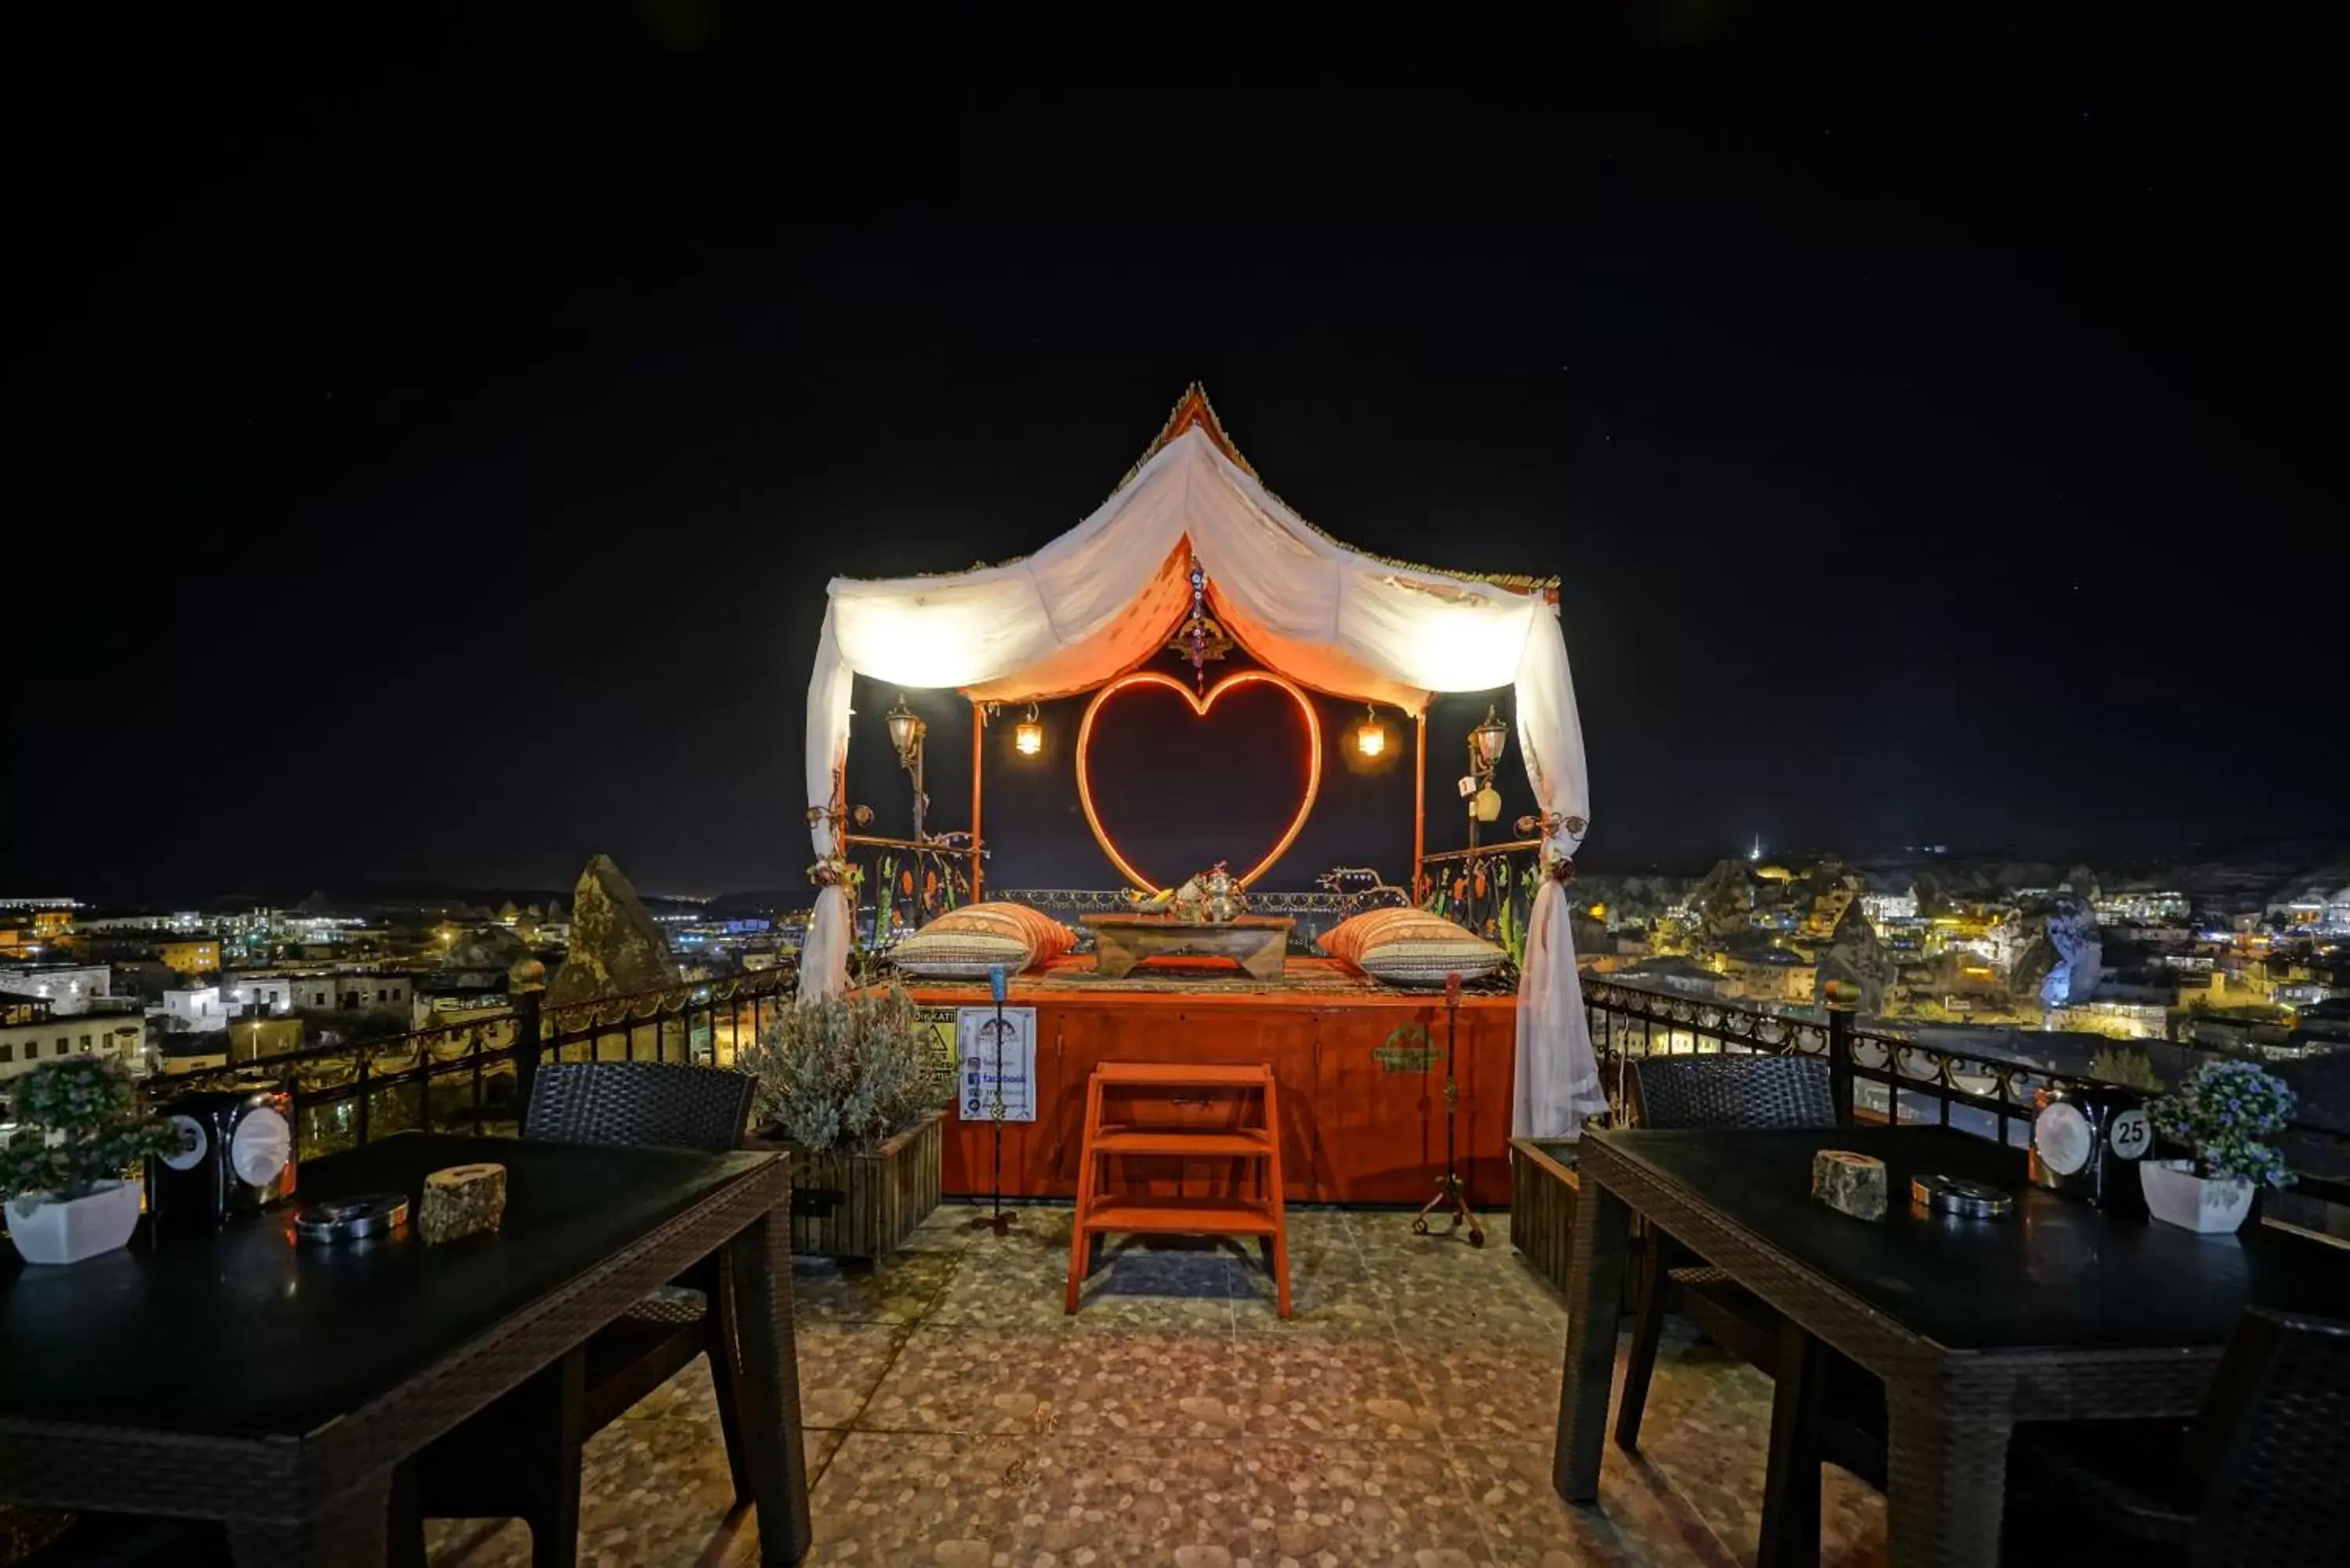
<point x="66" y="1233"/>
<point x="2176" y="1195"/>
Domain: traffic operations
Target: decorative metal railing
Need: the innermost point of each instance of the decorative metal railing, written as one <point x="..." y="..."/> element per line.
<point x="1082" y="900"/>
<point x="472" y="1074"/>
<point x="1878" y="1075"/>
<point x="901" y="883"/>
<point x="1489" y="889"/>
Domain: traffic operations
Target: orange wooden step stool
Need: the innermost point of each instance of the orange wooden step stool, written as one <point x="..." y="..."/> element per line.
<point x="1099" y="1214"/>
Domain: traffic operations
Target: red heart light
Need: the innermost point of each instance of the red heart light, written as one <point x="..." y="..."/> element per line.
<point x="1200" y="706"/>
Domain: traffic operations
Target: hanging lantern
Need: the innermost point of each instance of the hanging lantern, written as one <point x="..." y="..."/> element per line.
<point x="1490" y="737"/>
<point x="1028" y="735"/>
<point x="1369" y="738"/>
<point x="906" y="729"/>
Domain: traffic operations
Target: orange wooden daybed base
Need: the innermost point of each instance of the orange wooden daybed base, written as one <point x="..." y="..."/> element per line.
<point x="1362" y="1119"/>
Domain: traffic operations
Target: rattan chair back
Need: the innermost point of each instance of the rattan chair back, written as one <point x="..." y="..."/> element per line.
<point x="1733" y="1090"/>
<point x="662" y="1104"/>
<point x="2271" y="1448"/>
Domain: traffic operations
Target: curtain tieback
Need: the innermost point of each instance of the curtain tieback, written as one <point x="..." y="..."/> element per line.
<point x="1555" y="827"/>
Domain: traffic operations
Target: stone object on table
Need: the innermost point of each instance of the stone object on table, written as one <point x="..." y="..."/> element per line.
<point x="463" y="1200"/>
<point x="1849" y="1183"/>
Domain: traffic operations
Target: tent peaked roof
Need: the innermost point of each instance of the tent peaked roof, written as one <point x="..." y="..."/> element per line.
<point x="1192" y="411"/>
<point x="1108" y="594"/>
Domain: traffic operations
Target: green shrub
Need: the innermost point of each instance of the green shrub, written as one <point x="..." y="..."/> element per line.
<point x="80" y="1123"/>
<point x="847" y="1073"/>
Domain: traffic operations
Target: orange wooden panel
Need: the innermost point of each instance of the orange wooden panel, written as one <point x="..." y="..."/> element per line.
<point x="1183" y="1075"/>
<point x="1353" y="1130"/>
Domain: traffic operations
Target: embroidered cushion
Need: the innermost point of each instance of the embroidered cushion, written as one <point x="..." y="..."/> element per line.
<point x="1411" y="948"/>
<point x="965" y="944"/>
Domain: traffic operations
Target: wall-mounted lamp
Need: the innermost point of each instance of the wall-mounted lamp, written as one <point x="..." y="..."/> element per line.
<point x="1371" y="739"/>
<point x="1028" y="735"/>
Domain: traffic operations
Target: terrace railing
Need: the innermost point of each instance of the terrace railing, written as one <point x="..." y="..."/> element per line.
<point x="472" y="1074"/>
<point x="1878" y="1075"/>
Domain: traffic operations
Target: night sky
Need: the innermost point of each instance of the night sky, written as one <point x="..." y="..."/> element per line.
<point x="430" y="437"/>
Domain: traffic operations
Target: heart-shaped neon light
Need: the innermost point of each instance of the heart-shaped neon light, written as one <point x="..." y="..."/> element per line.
<point x="1200" y="706"/>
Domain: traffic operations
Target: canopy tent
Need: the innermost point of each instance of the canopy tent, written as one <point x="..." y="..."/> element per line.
<point x="1103" y="597"/>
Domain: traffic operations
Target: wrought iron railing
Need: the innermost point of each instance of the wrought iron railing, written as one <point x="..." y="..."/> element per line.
<point x="1879" y="1075"/>
<point x="1489" y="888"/>
<point x="472" y="1074"/>
<point x="901" y="883"/>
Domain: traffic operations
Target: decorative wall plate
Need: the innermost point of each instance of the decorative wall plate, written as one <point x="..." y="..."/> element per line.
<point x="1200" y="706"/>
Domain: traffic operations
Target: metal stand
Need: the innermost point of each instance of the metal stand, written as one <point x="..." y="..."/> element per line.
<point x="998" y="1221"/>
<point x="1449" y="1192"/>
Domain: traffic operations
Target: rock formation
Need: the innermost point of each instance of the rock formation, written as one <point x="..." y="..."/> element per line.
<point x="1854" y="956"/>
<point x="491" y="949"/>
<point x="2061" y="960"/>
<point x="616" y="948"/>
<point x="1724" y="899"/>
<point x="2073" y="932"/>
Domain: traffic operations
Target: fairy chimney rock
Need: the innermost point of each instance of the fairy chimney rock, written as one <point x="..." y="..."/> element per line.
<point x="616" y="948"/>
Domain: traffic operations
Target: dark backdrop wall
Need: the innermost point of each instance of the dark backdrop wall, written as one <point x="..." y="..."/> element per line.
<point x="1178" y="792"/>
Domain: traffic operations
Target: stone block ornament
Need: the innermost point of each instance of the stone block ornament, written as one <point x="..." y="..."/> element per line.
<point x="1849" y="1183"/>
<point x="463" y="1200"/>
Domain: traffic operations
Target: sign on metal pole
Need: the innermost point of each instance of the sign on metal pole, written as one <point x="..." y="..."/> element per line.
<point x="996" y="1055"/>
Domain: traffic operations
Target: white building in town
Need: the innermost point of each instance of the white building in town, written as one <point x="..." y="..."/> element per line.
<point x="67" y="988"/>
<point x="26" y="1044"/>
<point x="253" y="992"/>
<point x="193" y="1010"/>
<point x="1882" y="907"/>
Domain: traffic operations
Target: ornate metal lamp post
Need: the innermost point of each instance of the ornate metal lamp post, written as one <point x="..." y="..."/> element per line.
<point x="1487" y="742"/>
<point x="906" y="732"/>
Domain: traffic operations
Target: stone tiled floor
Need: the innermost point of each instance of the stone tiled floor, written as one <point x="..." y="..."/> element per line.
<point x="955" y="1417"/>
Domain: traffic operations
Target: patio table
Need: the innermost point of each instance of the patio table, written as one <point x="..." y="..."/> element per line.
<point x="274" y="1386"/>
<point x="2058" y="1312"/>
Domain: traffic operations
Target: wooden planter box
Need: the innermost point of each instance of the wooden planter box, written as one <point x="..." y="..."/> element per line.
<point x="865" y="1205"/>
<point x="1544" y="1191"/>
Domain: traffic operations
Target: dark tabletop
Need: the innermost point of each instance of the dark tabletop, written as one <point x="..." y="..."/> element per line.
<point x="247" y="1333"/>
<point x="2056" y="1272"/>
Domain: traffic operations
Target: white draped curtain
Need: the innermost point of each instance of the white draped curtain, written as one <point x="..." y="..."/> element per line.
<point x="1099" y="599"/>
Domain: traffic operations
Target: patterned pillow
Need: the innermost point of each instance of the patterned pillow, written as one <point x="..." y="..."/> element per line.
<point x="1051" y="938"/>
<point x="1411" y="948"/>
<point x="965" y="944"/>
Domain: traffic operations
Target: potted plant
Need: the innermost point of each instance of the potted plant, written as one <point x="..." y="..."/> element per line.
<point x="2218" y="1113"/>
<point x="80" y="1130"/>
<point x="855" y="1087"/>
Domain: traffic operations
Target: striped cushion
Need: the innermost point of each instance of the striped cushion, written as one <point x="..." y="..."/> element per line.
<point x="965" y="944"/>
<point x="1411" y="948"/>
<point x="1051" y="938"/>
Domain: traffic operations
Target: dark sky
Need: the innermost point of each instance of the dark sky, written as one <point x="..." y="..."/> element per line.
<point x="431" y="431"/>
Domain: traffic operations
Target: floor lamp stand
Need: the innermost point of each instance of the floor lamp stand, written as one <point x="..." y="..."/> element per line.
<point x="1449" y="1192"/>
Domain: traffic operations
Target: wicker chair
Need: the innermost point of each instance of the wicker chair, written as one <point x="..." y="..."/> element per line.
<point x="1727" y="1092"/>
<point x="2255" y="1479"/>
<point x="520" y="1458"/>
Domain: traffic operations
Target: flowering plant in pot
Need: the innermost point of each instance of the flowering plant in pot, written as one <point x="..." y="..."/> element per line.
<point x="2219" y="1114"/>
<point x="64" y="1173"/>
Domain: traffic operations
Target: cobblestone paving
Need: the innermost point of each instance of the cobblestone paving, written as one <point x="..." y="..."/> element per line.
<point x="956" y="1418"/>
